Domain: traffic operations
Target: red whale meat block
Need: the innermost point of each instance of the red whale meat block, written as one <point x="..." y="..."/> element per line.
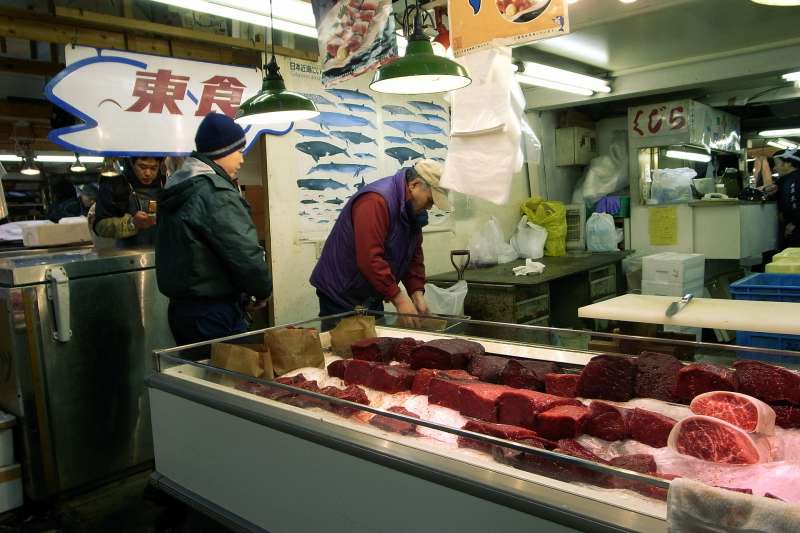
<point x="579" y="473"/>
<point x="787" y="416"/>
<point x="423" y="378"/>
<point x="698" y="378"/>
<point x="402" y="350"/>
<point x="520" y="407"/>
<point x="657" y="376"/>
<point x="254" y="388"/>
<point x="766" y="382"/>
<point x="607" y="377"/>
<point x="301" y="400"/>
<point x="642" y="463"/>
<point x="444" y="354"/>
<point x="351" y="393"/>
<point x="479" y="400"/>
<point x="711" y="439"/>
<point x="444" y="392"/>
<point x="649" y="428"/>
<point x="564" y="385"/>
<point x="487" y="367"/>
<point x="607" y="421"/>
<point x="501" y="431"/>
<point x="358" y="372"/>
<point x="527" y="374"/>
<point x="275" y="393"/>
<point x="397" y="426"/>
<point x="562" y="422"/>
<point x="554" y="468"/>
<point x="377" y="349"/>
<point x="391" y="379"/>
<point x="337" y="368"/>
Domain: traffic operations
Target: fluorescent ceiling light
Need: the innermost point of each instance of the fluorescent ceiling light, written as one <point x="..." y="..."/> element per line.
<point x="51" y="158"/>
<point x="292" y="16"/>
<point x="548" y="84"/>
<point x="10" y="158"/>
<point x="564" y="77"/>
<point x="780" y="3"/>
<point x="788" y="132"/>
<point x="791" y="76"/>
<point x="689" y="156"/>
<point x="783" y="145"/>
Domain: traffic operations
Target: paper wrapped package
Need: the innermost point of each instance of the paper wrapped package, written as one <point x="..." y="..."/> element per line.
<point x="349" y="330"/>
<point x="293" y="348"/>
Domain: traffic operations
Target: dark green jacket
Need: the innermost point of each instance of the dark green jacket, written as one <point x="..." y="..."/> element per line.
<point x="207" y="245"/>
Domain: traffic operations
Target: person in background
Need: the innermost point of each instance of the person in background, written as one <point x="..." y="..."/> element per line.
<point x="126" y="204"/>
<point x="207" y="251"/>
<point x="172" y="164"/>
<point x="787" y="165"/>
<point x="77" y="205"/>
<point x="376" y="243"/>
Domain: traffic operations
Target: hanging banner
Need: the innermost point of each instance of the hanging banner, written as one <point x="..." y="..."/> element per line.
<point x="355" y="36"/>
<point x="479" y="24"/>
<point x="134" y="104"/>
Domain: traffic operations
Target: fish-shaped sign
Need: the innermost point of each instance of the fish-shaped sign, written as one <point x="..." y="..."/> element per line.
<point x="327" y="119"/>
<point x="319" y="184"/>
<point x="403" y="154"/>
<point x="353" y="137"/>
<point x="341" y="168"/>
<point x="319" y="149"/>
<point x="409" y="126"/>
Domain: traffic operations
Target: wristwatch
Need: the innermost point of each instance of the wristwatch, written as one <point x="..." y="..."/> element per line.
<point x="131" y="225"/>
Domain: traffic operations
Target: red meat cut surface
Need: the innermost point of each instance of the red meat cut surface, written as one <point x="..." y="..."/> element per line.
<point x="444" y="354"/>
<point x="787" y="415"/>
<point x="479" y="400"/>
<point x="650" y="428"/>
<point x="770" y="495"/>
<point x="579" y="473"/>
<point x="607" y="377"/>
<point x="391" y="379"/>
<point x="564" y="385"/>
<point x="699" y="378"/>
<point x="274" y="393"/>
<point x="552" y="468"/>
<point x="358" y="372"/>
<point x="714" y="440"/>
<point x="351" y="393"/>
<point x="640" y="462"/>
<point x="397" y="426"/>
<point x="520" y="407"/>
<point x="336" y="368"/>
<point x="487" y="367"/>
<point x="527" y="374"/>
<point x="444" y="392"/>
<point x="402" y="350"/>
<point x="767" y="382"/>
<point x="423" y="378"/>
<point x="254" y="388"/>
<point x="657" y="376"/>
<point x="378" y="349"/>
<point x="502" y="431"/>
<point x="562" y="422"/>
<point x="607" y="422"/>
<point x="301" y="400"/>
<point x="742" y="411"/>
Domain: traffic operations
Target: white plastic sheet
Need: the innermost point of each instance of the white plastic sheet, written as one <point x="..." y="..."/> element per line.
<point x="601" y="234"/>
<point x="446" y="300"/>
<point x="529" y="239"/>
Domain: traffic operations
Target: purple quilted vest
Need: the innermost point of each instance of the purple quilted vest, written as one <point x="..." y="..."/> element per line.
<point x="337" y="274"/>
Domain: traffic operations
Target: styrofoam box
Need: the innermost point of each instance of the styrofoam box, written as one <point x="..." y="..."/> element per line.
<point x="656" y="288"/>
<point x="55" y="234"/>
<point x="10" y="487"/>
<point x="673" y="267"/>
<point x="7" y="422"/>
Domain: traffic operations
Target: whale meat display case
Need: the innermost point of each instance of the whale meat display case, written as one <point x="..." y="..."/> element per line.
<point x="310" y="451"/>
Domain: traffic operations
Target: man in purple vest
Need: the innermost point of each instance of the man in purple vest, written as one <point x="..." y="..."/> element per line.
<point x="376" y="243"/>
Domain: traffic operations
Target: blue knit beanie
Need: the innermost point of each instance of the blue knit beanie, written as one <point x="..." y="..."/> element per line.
<point x="218" y="135"/>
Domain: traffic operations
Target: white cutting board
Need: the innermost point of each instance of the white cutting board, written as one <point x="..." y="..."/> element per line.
<point x="737" y="315"/>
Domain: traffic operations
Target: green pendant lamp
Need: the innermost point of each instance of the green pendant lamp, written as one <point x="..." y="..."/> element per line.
<point x="420" y="71"/>
<point x="273" y="104"/>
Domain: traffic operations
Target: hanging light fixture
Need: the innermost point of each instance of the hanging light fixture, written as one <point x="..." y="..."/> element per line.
<point x="29" y="168"/>
<point x="77" y="166"/>
<point x="688" y="153"/>
<point x="273" y="104"/>
<point x="110" y="168"/>
<point x="420" y="71"/>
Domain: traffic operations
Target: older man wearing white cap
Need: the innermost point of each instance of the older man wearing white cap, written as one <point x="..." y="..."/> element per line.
<point x="376" y="244"/>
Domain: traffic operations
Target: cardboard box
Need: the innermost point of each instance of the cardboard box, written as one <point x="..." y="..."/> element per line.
<point x="56" y="234"/>
<point x="673" y="267"/>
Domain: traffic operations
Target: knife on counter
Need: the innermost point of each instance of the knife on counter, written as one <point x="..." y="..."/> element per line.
<point x="674" y="307"/>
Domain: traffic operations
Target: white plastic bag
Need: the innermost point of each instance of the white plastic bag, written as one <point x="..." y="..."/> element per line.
<point x="449" y="301"/>
<point x="672" y="185"/>
<point x="604" y="176"/>
<point x="488" y="246"/>
<point x="601" y="235"/>
<point x="529" y="239"/>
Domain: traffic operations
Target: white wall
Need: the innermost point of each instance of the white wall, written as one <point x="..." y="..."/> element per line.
<point x="555" y="183"/>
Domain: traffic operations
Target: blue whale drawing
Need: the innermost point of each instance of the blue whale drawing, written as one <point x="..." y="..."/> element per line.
<point x="408" y="126"/>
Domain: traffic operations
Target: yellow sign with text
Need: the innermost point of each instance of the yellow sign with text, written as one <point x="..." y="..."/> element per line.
<point x="479" y="24"/>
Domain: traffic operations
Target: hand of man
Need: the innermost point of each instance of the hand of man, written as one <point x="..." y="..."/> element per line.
<point x="254" y="306"/>
<point x="142" y="220"/>
<point x="405" y="306"/>
<point x="419" y="302"/>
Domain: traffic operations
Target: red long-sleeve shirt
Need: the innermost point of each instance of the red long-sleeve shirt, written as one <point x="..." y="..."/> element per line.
<point x="370" y="216"/>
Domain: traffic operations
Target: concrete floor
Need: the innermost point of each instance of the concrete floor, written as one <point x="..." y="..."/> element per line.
<point x="126" y="506"/>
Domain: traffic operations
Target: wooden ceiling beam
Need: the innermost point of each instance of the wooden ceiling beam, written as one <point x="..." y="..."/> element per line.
<point x="27" y="66"/>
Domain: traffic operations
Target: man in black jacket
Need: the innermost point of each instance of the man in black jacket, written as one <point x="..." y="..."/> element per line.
<point x="787" y="165"/>
<point x="207" y="251"/>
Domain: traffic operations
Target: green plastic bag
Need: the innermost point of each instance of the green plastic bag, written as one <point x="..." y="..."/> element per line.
<point x="552" y="216"/>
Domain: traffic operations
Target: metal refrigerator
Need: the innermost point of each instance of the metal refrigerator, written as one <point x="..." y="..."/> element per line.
<point x="76" y="331"/>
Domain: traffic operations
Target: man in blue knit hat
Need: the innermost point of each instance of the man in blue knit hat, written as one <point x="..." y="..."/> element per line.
<point x="208" y="260"/>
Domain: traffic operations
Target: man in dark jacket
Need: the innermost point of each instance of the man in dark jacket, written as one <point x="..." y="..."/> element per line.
<point x="376" y="243"/>
<point x="126" y="204"/>
<point x="787" y="165"/>
<point x="207" y="251"/>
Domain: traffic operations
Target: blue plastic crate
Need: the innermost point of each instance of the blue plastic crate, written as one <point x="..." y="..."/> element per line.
<point x="769" y="340"/>
<point x="767" y="286"/>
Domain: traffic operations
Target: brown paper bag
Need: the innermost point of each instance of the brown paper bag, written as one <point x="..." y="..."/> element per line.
<point x="248" y="359"/>
<point x="350" y="330"/>
<point x="293" y="348"/>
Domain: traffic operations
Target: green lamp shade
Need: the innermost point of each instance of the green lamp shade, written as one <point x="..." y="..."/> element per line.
<point x="275" y="105"/>
<point x="420" y="72"/>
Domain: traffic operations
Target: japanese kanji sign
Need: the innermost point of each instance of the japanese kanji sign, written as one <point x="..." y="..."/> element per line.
<point x="142" y="104"/>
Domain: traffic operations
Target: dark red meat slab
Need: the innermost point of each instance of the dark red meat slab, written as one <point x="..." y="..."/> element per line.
<point x="444" y="392"/>
<point x="699" y="378"/>
<point x="479" y="400"/>
<point x="337" y="368"/>
<point x="649" y="428"/>
<point x="358" y="372"/>
<point x="391" y="378"/>
<point x="487" y="367"/>
<point x="396" y="426"/>
<point x="579" y="473"/>
<point x="351" y="393"/>
<point x="743" y="491"/>
<point x="402" y="350"/>
<point x="444" y="354"/>
<point x="378" y="349"/>
<point x="527" y="374"/>
<point x="275" y="393"/>
<point x="640" y="462"/>
<point x="607" y="421"/>
<point x="423" y="378"/>
<point x="301" y="400"/>
<point x="520" y="407"/>
<point x="553" y="468"/>
<point x="562" y="422"/>
<point x="770" y="495"/>
<point x="657" y="376"/>
<point x="787" y="415"/>
<point x="502" y="431"/>
<point x="564" y="385"/>
<point x="254" y="388"/>
<point x="767" y="382"/>
<point x="607" y="377"/>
